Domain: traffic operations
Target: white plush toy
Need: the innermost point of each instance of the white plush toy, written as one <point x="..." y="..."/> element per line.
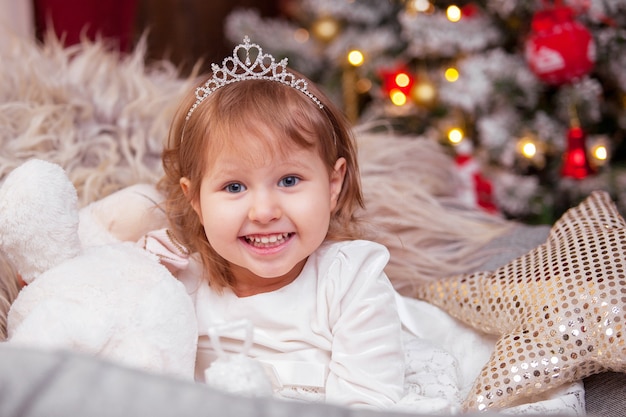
<point x="112" y="300"/>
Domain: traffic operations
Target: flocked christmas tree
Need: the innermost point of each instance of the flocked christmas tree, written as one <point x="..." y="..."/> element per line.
<point x="531" y="94"/>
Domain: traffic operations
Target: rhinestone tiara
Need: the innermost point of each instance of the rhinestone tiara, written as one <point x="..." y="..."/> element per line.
<point x="264" y="67"/>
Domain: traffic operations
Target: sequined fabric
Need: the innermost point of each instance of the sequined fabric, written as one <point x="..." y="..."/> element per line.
<point x="560" y="309"/>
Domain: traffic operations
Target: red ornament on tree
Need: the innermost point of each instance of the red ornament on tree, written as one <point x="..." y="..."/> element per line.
<point x="470" y="10"/>
<point x="575" y="162"/>
<point x="559" y="49"/>
<point x="397" y="78"/>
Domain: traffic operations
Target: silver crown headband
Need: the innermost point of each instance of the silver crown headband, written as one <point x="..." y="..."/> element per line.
<point x="264" y="67"/>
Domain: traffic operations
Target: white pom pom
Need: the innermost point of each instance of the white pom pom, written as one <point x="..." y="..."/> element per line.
<point x="238" y="374"/>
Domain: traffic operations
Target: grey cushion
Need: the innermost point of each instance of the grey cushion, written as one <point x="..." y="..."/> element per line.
<point x="605" y="394"/>
<point x="34" y="383"/>
<point x="517" y="242"/>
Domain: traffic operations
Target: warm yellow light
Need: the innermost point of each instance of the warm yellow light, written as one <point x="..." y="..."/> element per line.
<point x="301" y="35"/>
<point x="529" y="149"/>
<point x="455" y="135"/>
<point x="402" y="80"/>
<point x="451" y="74"/>
<point x="601" y="153"/>
<point x="356" y="58"/>
<point x="397" y="97"/>
<point x="424" y="92"/>
<point x="325" y="28"/>
<point x="419" y="6"/>
<point x="453" y="13"/>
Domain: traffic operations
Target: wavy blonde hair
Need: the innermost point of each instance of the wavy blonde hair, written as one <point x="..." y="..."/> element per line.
<point x="260" y="109"/>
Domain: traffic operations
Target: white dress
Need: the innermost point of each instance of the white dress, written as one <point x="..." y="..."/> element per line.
<point x="333" y="334"/>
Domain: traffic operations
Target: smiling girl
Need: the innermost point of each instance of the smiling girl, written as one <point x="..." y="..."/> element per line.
<point x="262" y="184"/>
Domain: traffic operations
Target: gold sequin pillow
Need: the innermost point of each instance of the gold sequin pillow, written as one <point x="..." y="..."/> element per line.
<point x="560" y="309"/>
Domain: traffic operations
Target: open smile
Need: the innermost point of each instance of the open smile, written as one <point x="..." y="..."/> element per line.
<point x="267" y="241"/>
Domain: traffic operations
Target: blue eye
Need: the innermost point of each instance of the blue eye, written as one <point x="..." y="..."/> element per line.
<point x="235" y="188"/>
<point x="289" y="181"/>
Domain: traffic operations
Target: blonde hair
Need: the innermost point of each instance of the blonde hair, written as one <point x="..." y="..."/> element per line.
<point x="262" y="109"/>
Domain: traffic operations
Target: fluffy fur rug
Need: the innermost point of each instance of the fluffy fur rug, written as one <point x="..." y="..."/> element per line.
<point x="103" y="117"/>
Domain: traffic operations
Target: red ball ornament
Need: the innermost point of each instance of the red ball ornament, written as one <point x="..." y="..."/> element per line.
<point x="470" y="10"/>
<point x="397" y="78"/>
<point x="559" y="49"/>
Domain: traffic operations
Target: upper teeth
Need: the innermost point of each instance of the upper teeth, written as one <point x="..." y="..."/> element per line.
<point x="268" y="238"/>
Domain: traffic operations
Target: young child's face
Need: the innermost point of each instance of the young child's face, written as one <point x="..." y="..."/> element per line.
<point x="266" y="217"/>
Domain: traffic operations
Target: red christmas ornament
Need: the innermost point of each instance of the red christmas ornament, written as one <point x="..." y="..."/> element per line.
<point x="398" y="78"/>
<point x="575" y="162"/>
<point x="470" y="10"/>
<point x="559" y="49"/>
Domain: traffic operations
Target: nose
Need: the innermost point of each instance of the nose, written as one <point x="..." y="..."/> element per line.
<point x="264" y="207"/>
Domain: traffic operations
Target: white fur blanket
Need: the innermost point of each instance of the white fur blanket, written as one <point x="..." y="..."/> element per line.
<point x="104" y="117"/>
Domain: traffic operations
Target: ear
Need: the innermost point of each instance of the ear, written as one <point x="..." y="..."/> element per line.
<point x="185" y="185"/>
<point x="336" y="181"/>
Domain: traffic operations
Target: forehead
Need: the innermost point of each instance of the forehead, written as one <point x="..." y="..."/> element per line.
<point x="233" y="160"/>
<point x="256" y="147"/>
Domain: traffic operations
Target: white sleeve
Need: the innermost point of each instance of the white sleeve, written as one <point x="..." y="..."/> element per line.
<point x="367" y="361"/>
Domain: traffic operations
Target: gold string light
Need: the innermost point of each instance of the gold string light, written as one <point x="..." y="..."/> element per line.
<point x="451" y="74"/>
<point x="456" y="135"/>
<point x="453" y="13"/>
